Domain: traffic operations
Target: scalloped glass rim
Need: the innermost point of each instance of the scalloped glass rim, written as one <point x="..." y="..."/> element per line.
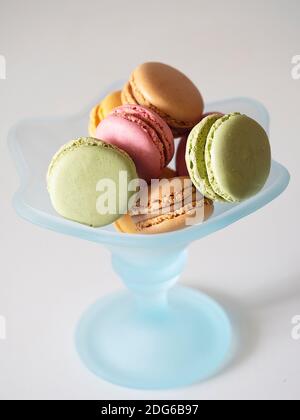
<point x="32" y="202"/>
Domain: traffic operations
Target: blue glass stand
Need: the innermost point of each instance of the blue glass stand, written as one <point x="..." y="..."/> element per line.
<point x="154" y="335"/>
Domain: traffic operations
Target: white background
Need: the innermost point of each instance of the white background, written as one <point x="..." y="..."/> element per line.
<point x="60" y="55"/>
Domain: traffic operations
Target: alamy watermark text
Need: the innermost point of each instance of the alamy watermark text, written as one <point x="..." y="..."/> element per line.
<point x="296" y="67"/>
<point x="296" y="327"/>
<point x="2" y="328"/>
<point x="2" y="67"/>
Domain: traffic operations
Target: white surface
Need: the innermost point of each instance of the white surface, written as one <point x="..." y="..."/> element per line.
<point x="59" y="55"/>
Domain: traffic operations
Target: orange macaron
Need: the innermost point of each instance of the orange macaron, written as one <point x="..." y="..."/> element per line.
<point x="102" y="110"/>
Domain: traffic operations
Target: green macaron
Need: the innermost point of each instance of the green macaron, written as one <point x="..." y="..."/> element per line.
<point x="84" y="182"/>
<point x="228" y="157"/>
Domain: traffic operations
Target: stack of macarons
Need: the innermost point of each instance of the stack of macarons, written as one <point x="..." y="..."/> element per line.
<point x="224" y="158"/>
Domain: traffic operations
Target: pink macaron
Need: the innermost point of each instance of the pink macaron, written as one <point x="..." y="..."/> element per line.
<point x="143" y="134"/>
<point x="181" y="167"/>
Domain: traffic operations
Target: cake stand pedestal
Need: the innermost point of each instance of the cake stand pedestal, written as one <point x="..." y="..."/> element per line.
<point x="155" y="335"/>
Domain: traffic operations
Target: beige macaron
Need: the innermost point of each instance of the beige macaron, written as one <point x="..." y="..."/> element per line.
<point x="166" y="206"/>
<point x="168" y="92"/>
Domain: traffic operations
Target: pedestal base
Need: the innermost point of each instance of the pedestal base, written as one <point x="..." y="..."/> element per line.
<point x="167" y="347"/>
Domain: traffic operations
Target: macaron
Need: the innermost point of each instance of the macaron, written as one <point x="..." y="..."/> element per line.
<point x="166" y="206"/>
<point x="168" y="92"/>
<point x="101" y="111"/>
<point x="181" y="167"/>
<point x="168" y="173"/>
<point x="143" y="134"/>
<point x="84" y="182"/>
<point x="228" y="157"/>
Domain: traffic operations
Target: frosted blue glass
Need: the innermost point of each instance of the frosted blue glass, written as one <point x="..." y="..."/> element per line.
<point x="153" y="335"/>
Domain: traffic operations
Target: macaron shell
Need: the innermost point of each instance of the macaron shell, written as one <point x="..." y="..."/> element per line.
<point x="195" y="157"/>
<point x="109" y="103"/>
<point x="131" y="137"/>
<point x="94" y="120"/>
<point x="168" y="92"/>
<point x="102" y="110"/>
<point x="126" y="225"/>
<point x="73" y="177"/>
<point x="238" y="157"/>
<point x="155" y="122"/>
